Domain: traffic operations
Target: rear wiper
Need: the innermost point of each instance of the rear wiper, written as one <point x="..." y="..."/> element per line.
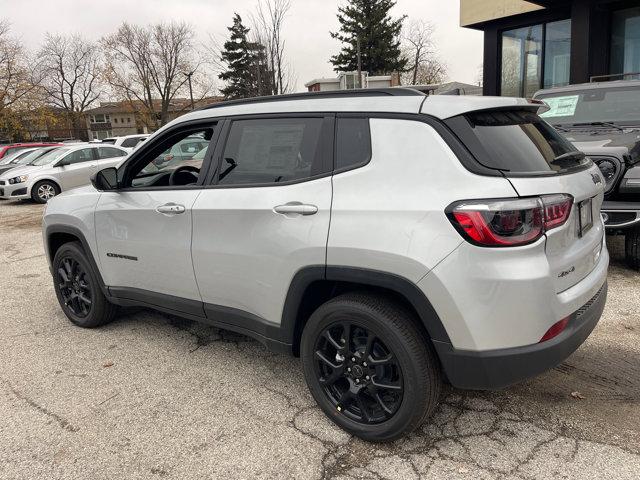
<point x="568" y="156"/>
<point x="599" y="124"/>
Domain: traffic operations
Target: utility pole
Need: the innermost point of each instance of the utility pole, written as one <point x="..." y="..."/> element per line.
<point x="188" y="75"/>
<point x="359" y="63"/>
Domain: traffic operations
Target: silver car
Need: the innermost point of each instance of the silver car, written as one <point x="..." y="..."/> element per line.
<point x="389" y="239"/>
<point x="58" y="170"/>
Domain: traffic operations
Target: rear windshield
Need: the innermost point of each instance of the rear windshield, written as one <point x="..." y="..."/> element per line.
<point x="516" y="141"/>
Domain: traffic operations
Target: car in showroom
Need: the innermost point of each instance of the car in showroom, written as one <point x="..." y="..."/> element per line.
<point x="602" y="119"/>
<point x="58" y="170"/>
<point x="391" y="240"/>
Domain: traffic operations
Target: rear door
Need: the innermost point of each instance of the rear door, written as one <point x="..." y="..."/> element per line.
<point x="537" y="160"/>
<point x="266" y="216"/>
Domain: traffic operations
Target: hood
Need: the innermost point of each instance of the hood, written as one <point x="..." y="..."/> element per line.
<point x="595" y="137"/>
<point x="21" y="170"/>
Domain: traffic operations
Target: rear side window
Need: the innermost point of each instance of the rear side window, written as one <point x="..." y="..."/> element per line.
<point x="130" y="142"/>
<point x="353" y="142"/>
<point x="109" y="152"/>
<point x="516" y="141"/>
<point x="272" y="150"/>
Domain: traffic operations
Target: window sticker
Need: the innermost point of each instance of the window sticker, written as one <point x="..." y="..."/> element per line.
<point x="561" y="106"/>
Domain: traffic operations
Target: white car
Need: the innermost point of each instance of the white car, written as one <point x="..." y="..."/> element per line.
<point x="129" y="142"/>
<point x="60" y="169"/>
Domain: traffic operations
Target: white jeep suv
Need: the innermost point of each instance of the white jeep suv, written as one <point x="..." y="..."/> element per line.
<point x="390" y="239"/>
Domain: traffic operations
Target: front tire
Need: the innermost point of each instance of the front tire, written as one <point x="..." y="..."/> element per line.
<point x="369" y="367"/>
<point x="78" y="290"/>
<point x="632" y="248"/>
<point x="44" y="191"/>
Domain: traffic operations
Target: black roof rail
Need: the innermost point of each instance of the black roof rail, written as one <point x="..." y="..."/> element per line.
<point x="358" y="92"/>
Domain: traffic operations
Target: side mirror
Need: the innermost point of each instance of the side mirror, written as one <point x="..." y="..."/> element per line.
<point x="106" y="179"/>
<point x="63" y="163"/>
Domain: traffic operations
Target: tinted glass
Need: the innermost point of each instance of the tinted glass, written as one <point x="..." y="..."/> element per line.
<point x="130" y="142"/>
<point x="272" y="151"/>
<point x="353" y="142"/>
<point x="109" y="152"/>
<point x="620" y="104"/>
<point x="517" y="142"/>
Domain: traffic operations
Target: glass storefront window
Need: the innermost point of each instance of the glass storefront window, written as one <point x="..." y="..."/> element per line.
<point x="521" y="61"/>
<point x="625" y="41"/>
<point x="557" y="53"/>
<point x="524" y="71"/>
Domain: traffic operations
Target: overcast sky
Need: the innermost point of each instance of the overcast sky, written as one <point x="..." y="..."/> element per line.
<point x="306" y="31"/>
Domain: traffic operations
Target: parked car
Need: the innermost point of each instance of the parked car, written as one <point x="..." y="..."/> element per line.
<point x="22" y="157"/>
<point x="127" y="141"/>
<point x="389" y="239"/>
<point x="58" y="170"/>
<point x="5" y="149"/>
<point x="603" y="120"/>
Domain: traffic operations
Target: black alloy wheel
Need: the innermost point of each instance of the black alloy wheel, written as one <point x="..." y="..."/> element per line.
<point x="359" y="373"/>
<point x="75" y="287"/>
<point x="369" y="366"/>
<point x="78" y="289"/>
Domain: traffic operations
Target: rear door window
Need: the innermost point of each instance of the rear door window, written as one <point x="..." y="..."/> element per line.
<point x="516" y="142"/>
<point x="273" y="150"/>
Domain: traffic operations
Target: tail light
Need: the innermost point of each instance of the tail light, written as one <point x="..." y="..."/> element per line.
<point x="509" y="222"/>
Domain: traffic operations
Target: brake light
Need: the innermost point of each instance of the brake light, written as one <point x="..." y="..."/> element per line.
<point x="555" y="330"/>
<point x="556" y="210"/>
<point x="509" y="222"/>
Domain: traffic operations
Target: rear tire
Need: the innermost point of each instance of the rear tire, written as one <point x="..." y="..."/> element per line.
<point x="361" y="394"/>
<point x="44" y="191"/>
<point x="78" y="290"/>
<point x="632" y="248"/>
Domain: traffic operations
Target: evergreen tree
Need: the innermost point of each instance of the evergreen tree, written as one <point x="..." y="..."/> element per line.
<point x="379" y="35"/>
<point x="247" y="73"/>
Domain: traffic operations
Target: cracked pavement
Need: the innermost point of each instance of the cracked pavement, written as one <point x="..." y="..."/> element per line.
<point x="154" y="396"/>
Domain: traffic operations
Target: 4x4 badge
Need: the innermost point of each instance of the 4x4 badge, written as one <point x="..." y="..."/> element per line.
<point x="596" y="178"/>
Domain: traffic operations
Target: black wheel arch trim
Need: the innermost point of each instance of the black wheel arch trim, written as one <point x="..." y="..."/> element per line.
<point x="51" y="230"/>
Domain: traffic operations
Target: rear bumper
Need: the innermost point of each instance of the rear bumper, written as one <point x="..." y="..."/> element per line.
<point x="621" y="215"/>
<point x="493" y="369"/>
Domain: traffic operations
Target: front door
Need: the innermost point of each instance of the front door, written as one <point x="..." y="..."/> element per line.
<point x="144" y="228"/>
<point x="79" y="166"/>
<point x="265" y="218"/>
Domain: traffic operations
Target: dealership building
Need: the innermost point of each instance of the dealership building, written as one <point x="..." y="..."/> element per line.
<point x="529" y="45"/>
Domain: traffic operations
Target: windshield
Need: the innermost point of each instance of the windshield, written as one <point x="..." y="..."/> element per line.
<point x="614" y="104"/>
<point x="32" y="156"/>
<point x="50" y="156"/>
<point x="9" y="157"/>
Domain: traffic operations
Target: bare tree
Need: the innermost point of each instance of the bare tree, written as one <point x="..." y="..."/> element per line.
<point x="268" y="22"/>
<point x="149" y="66"/>
<point x="424" y="66"/>
<point x="70" y="70"/>
<point x="16" y="79"/>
